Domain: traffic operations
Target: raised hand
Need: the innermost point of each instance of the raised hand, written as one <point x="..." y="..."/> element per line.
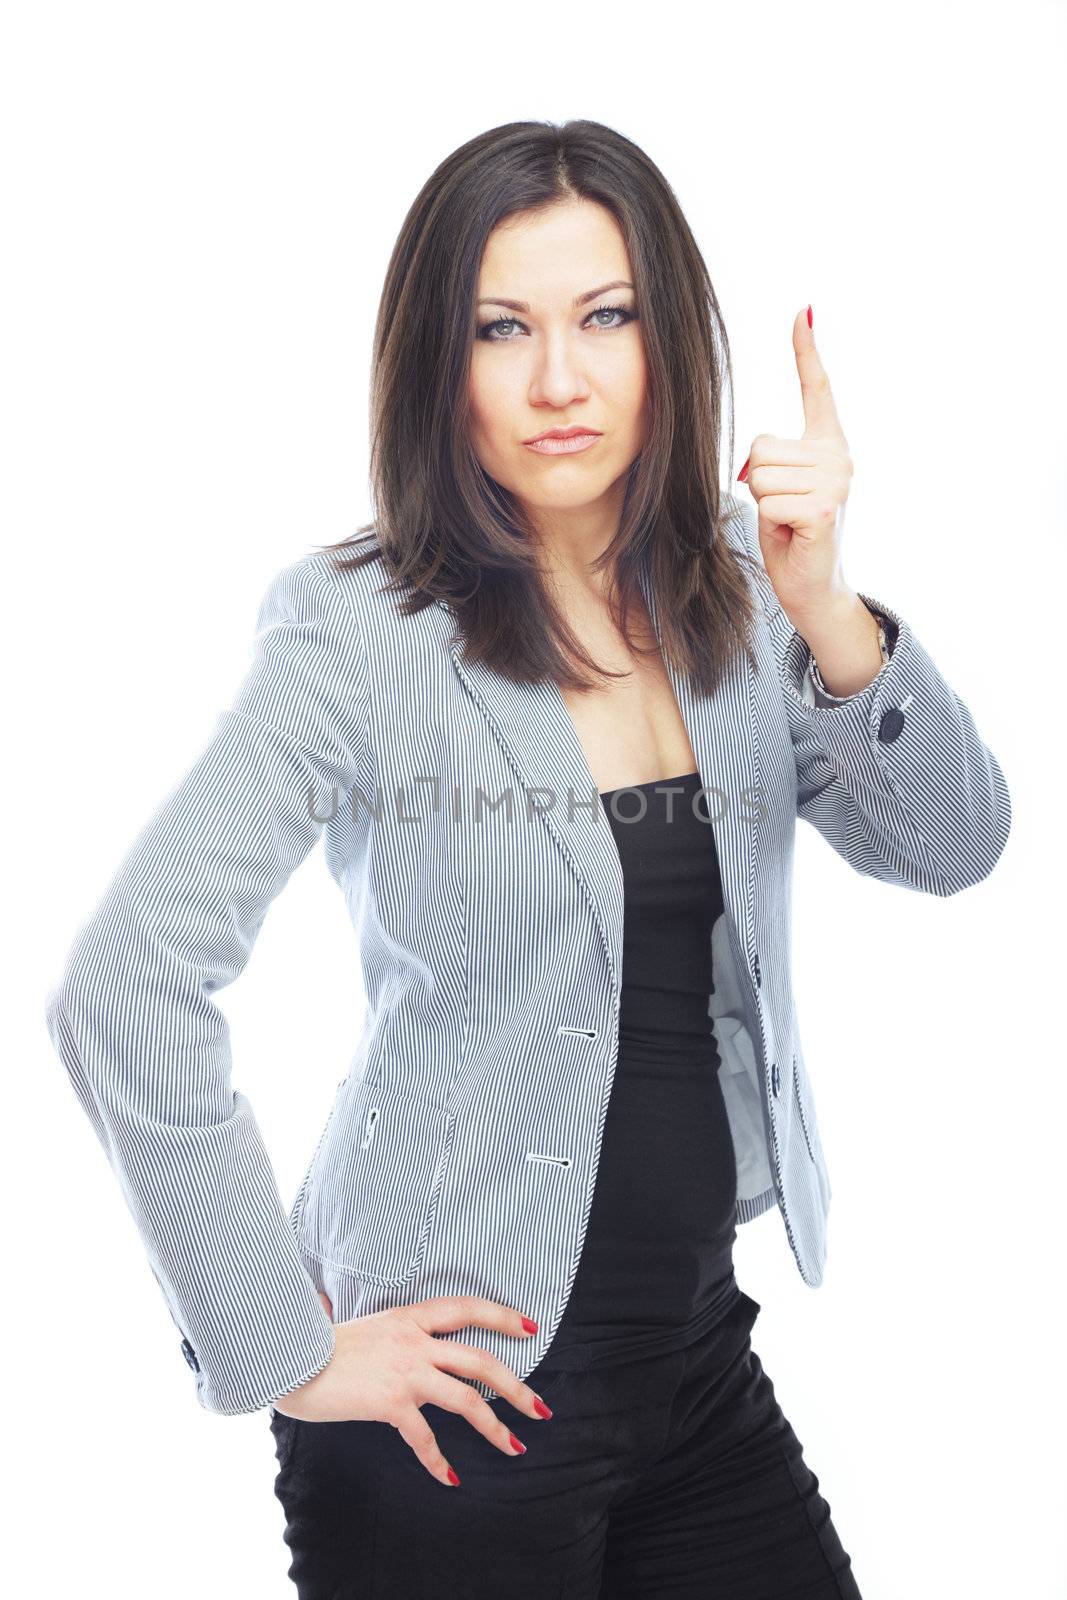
<point x="800" y="487"/>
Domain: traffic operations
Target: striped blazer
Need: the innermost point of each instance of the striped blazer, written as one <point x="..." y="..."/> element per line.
<point x="462" y="825"/>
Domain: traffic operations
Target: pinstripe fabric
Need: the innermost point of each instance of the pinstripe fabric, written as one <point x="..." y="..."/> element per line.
<point x="462" y="824"/>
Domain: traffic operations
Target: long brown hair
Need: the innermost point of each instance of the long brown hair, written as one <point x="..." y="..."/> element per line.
<point x="445" y="530"/>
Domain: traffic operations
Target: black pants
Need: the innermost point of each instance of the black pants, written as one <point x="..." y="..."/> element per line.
<point x="675" y="1475"/>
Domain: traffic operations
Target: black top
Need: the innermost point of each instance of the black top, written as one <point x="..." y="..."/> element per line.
<point x="656" y="1270"/>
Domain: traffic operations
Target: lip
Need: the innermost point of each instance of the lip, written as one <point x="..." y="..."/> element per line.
<point x="562" y="441"/>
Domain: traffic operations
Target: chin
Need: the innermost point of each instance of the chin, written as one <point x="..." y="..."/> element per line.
<point x="568" y="499"/>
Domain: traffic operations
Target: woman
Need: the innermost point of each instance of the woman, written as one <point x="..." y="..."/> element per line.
<point x="556" y="712"/>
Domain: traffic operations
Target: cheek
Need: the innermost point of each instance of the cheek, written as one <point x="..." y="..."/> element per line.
<point x="630" y="397"/>
<point x="490" y="406"/>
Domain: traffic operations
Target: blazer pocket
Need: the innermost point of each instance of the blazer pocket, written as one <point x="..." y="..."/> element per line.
<point x="374" y="1187"/>
<point x="803" y="1107"/>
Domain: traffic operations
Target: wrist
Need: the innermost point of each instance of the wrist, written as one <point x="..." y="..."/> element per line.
<point x="841" y="610"/>
<point x="847" y="649"/>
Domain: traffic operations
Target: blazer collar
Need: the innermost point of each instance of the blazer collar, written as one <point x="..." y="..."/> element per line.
<point x="535" y="728"/>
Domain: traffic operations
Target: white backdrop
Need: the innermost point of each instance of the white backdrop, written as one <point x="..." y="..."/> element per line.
<point x="200" y="203"/>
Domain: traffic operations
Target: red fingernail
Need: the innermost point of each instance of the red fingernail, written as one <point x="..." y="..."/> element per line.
<point x="517" y="1444"/>
<point x="453" y="1477"/>
<point x="809" y="316"/>
<point x="529" y="1325"/>
<point x="743" y="474"/>
<point x="540" y="1407"/>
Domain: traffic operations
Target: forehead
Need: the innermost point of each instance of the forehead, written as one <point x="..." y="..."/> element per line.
<point x="554" y="253"/>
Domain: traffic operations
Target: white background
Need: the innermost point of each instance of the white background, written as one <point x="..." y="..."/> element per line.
<point x="200" y="201"/>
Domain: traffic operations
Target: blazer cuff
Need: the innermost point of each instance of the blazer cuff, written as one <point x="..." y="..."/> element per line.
<point x="887" y="637"/>
<point x="909" y="739"/>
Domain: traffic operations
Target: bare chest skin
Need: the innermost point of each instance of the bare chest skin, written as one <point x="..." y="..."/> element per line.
<point x="631" y="730"/>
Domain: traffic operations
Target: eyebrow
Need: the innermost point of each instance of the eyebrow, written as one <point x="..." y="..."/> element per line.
<point x="579" y="299"/>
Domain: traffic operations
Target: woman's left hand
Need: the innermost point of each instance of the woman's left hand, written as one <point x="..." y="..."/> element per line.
<point x="801" y="486"/>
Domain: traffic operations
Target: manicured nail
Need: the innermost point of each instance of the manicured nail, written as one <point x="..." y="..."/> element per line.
<point x="742" y="476"/>
<point x="517" y="1444"/>
<point x="540" y="1407"/>
<point x="809" y="316"/>
<point x="529" y="1324"/>
<point x="453" y="1477"/>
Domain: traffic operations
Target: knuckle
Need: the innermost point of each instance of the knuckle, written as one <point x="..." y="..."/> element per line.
<point x="483" y="1363"/>
<point x="472" y="1400"/>
<point x="424" y="1437"/>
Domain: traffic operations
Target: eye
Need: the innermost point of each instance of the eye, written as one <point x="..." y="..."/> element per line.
<point x="486" y="329"/>
<point x="621" y="311"/>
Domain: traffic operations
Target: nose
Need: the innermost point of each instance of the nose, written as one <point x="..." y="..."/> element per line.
<point x="558" y="376"/>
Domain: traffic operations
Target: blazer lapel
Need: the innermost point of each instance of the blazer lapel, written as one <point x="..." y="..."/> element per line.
<point x="532" y="723"/>
<point x="535" y="729"/>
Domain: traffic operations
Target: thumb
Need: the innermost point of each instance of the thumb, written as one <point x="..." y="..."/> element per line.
<point x="326" y="1306"/>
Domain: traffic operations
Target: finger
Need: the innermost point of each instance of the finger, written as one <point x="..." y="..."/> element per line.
<point x="769" y="450"/>
<point x="784" y="480"/>
<point x="820" y="413"/>
<point x="471" y="1361"/>
<point x="466" y="1402"/>
<point x="445" y="1313"/>
<point x="420" y="1437"/>
<point x="326" y="1306"/>
<point x="788" y="510"/>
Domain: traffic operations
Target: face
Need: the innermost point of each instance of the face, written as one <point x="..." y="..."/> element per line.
<point x="551" y="353"/>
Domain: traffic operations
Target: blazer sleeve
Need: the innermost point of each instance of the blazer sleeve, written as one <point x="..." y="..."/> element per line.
<point x="136" y="1025"/>
<point x="895" y="777"/>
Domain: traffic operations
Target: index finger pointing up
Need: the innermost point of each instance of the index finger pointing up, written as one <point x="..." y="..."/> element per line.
<point x="820" y="413"/>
